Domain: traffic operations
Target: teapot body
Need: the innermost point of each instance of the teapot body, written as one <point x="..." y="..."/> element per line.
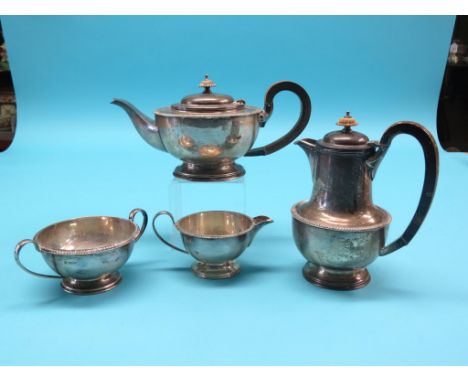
<point x="209" y="145"/>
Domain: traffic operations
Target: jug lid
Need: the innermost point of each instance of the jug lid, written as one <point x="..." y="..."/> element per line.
<point x="346" y="138"/>
<point x="208" y="101"/>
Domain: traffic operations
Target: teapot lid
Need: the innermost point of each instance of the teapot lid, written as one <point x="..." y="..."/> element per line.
<point x="346" y="138"/>
<point x="208" y="101"/>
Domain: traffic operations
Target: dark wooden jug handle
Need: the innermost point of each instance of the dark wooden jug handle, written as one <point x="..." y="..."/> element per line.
<point x="431" y="159"/>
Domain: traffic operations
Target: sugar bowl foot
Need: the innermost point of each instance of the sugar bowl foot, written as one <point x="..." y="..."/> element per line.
<point x="100" y="285"/>
<point x="216" y="271"/>
<point x="209" y="172"/>
<point x="336" y="279"/>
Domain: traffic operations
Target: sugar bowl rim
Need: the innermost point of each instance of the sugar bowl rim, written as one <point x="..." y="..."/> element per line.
<point x="87" y="251"/>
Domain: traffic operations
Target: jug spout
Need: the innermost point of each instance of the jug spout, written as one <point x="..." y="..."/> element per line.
<point x="307" y="144"/>
<point x="144" y="125"/>
<point x="259" y="222"/>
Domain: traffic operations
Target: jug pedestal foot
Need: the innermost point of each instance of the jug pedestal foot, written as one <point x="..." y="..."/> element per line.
<point x="336" y="279"/>
<point x="209" y="172"/>
<point x="100" y="285"/>
<point x="216" y="271"/>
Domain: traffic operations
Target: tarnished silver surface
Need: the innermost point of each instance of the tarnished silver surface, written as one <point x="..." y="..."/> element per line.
<point x="215" y="239"/>
<point x="335" y="257"/>
<point x="209" y="131"/>
<point x="339" y="230"/>
<point x="86" y="252"/>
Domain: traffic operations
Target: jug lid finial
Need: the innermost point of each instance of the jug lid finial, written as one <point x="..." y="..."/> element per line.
<point x="347" y="121"/>
<point x="346" y="138"/>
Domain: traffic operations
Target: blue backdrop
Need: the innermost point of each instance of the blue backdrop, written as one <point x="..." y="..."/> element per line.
<point x="75" y="154"/>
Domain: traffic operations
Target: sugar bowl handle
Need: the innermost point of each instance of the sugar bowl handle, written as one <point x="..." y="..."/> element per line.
<point x="18" y="248"/>
<point x="142" y="228"/>
<point x="306" y="109"/>
<point x="159" y="236"/>
<point x="431" y="159"/>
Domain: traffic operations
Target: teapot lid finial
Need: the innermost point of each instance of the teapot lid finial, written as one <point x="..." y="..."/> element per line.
<point x="207" y="84"/>
<point x="207" y="102"/>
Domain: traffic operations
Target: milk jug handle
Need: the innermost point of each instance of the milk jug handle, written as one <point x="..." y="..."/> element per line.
<point x="306" y="109"/>
<point x="431" y="159"/>
<point x="158" y="234"/>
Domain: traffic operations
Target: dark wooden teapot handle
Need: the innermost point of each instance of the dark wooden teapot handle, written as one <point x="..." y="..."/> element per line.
<point x="306" y="109"/>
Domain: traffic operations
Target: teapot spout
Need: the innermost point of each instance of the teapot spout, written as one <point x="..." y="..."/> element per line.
<point x="144" y="125"/>
<point x="259" y="222"/>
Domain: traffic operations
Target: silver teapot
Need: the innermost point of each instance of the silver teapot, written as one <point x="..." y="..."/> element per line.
<point x="209" y="131"/>
<point x="339" y="230"/>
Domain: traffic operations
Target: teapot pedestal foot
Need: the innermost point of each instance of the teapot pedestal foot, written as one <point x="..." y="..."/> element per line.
<point x="209" y="172"/>
<point x="100" y="285"/>
<point x="336" y="279"/>
<point x="216" y="271"/>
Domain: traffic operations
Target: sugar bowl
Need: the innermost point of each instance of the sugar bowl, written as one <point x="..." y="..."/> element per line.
<point x="86" y="252"/>
<point x="215" y="239"/>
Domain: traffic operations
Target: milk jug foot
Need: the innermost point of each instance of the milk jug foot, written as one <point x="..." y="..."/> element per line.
<point x="216" y="271"/>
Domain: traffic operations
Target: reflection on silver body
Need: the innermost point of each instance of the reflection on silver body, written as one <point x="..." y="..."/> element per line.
<point x="87" y="252"/>
<point x="208" y="140"/>
<point x="215" y="239"/>
<point x="209" y="131"/>
<point x="339" y="230"/>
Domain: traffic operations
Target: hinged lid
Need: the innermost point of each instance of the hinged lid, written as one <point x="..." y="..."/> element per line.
<point x="208" y="101"/>
<point x="346" y="138"/>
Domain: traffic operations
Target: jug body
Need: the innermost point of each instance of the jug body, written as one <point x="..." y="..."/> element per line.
<point x="339" y="230"/>
<point x="337" y="259"/>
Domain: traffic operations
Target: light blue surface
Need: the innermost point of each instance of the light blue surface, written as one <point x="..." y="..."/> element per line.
<point x="75" y="154"/>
